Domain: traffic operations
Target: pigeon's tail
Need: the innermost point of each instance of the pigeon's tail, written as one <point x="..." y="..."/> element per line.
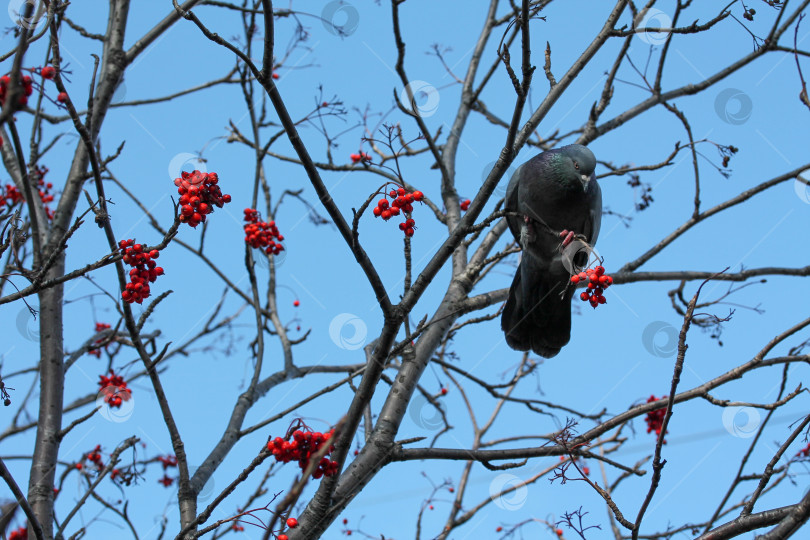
<point x="535" y="316"/>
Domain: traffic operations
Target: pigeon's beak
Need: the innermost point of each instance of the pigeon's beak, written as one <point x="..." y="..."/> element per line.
<point x="586" y="178"/>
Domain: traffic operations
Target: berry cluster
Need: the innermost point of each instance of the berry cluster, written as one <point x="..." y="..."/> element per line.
<point x="12" y="195"/>
<point x="357" y="158"/>
<point x="144" y="270"/>
<point x="19" y="534"/>
<point x="302" y="447"/>
<point x="44" y="188"/>
<point x="749" y="13"/>
<point x="804" y="452"/>
<point x="465" y="205"/>
<point x="115" y="389"/>
<point x="95" y="457"/>
<point x="167" y="461"/>
<point x="597" y="281"/>
<point x="260" y="234"/>
<point x="100" y="326"/>
<point x="199" y="193"/>
<point x="655" y="419"/>
<point x="27" y="85"/>
<point x="401" y="201"/>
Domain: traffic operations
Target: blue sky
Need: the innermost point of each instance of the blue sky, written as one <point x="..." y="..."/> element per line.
<point x="605" y="365"/>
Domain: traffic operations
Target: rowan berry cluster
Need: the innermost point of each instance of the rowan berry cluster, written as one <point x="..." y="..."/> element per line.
<point x="12" y="195"/>
<point x="167" y="461"/>
<point x="27" y="86"/>
<point x="465" y="205"/>
<point x="804" y="452"/>
<point x="357" y="158"/>
<point x="44" y="188"/>
<point x="260" y="234"/>
<point x="100" y="327"/>
<point x="115" y="389"/>
<point x="655" y="419"/>
<point x="301" y="448"/>
<point x="19" y="534"/>
<point x="95" y="457"/>
<point x="597" y="282"/>
<point x="401" y="201"/>
<point x="199" y="193"/>
<point x="144" y="270"/>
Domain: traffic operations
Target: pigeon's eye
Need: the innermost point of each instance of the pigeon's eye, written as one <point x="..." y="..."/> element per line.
<point x="576" y="165"/>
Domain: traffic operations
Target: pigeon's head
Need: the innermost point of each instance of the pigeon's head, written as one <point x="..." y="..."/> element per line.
<point x="579" y="161"/>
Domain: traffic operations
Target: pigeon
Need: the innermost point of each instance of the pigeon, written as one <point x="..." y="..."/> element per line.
<point x="555" y="211"/>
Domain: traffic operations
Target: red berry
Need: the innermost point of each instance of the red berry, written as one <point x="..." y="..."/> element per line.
<point x="48" y="72"/>
<point x="584" y="296"/>
<point x="62" y="97"/>
<point x="377" y="211"/>
<point x="275" y="76"/>
<point x="444" y="391"/>
<point x="292" y="523"/>
<point x="574" y="279"/>
<point x="282" y="536"/>
<point x="296" y="303"/>
<point x="386" y="215"/>
<point x="418" y="196"/>
<point x="382" y="203"/>
<point x="409" y="232"/>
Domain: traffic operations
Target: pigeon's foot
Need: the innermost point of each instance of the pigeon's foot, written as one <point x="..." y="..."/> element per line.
<point x="567" y="236"/>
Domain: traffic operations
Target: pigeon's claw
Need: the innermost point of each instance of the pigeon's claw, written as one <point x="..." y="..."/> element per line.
<point x="567" y="236"/>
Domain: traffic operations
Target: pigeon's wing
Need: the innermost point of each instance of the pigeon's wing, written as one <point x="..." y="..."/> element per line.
<point x="595" y="217"/>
